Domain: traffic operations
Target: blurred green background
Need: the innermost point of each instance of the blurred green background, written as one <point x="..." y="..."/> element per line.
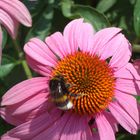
<point x="52" y="15"/>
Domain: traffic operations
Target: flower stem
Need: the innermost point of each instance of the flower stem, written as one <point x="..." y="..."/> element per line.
<point x="21" y="57"/>
<point x="26" y="69"/>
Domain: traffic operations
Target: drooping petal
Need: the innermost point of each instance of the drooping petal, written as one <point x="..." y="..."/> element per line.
<point x="57" y="44"/>
<point x="9" y="118"/>
<point x="31" y="104"/>
<point x="85" y="37"/>
<point x="17" y="10"/>
<point x="127" y="72"/>
<point x="129" y="103"/>
<point x="122" y="54"/>
<point x="38" y="51"/>
<point x="30" y="129"/>
<point x="139" y="115"/>
<point x="110" y="43"/>
<point x="74" y="128"/>
<point x="123" y="118"/>
<point x="104" y="128"/>
<point x="0" y="44"/>
<point x="128" y="86"/>
<point x="9" y="138"/>
<point x="7" y="112"/>
<point x="9" y="23"/>
<point x="71" y="32"/>
<point x="101" y="39"/>
<point x="136" y="64"/>
<point x="76" y="35"/>
<point x="87" y="134"/>
<point x="38" y="67"/>
<point x="95" y="136"/>
<point x="54" y="131"/>
<point x="130" y="67"/>
<point x="25" y="90"/>
<point x="112" y="121"/>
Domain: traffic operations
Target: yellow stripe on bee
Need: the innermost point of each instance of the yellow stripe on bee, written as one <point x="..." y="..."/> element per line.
<point x="61" y="99"/>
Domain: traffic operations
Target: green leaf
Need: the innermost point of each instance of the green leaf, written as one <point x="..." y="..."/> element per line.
<point x="136" y="48"/>
<point x="125" y="136"/>
<point x="105" y="5"/>
<point x="4" y="37"/>
<point x="132" y="2"/>
<point x="8" y="63"/>
<point x="66" y="8"/>
<point x="43" y="25"/>
<point x="137" y="18"/>
<point x="97" y="19"/>
<point x="34" y="6"/>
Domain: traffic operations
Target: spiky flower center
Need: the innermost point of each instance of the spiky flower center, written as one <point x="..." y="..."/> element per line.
<point x="91" y="81"/>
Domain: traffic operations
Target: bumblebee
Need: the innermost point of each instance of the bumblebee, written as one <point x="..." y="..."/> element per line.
<point x="59" y="91"/>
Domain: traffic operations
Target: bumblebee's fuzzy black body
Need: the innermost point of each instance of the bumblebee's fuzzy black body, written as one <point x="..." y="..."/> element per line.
<point x="59" y="92"/>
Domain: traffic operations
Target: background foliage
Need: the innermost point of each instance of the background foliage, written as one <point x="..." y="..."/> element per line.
<point x="52" y="15"/>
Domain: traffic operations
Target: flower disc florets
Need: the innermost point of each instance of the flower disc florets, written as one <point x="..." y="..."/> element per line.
<point x="91" y="81"/>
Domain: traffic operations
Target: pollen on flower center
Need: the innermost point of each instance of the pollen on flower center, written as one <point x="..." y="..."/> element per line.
<point x="91" y="81"/>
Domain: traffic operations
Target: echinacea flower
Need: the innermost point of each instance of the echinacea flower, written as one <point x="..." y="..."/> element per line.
<point x="101" y="85"/>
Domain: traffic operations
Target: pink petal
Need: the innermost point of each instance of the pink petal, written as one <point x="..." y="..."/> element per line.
<point x="104" y="128"/>
<point x="95" y="136"/>
<point x="129" y="103"/>
<point x="101" y="40"/>
<point x="122" y="55"/>
<point x="17" y="10"/>
<point x="136" y="64"/>
<point x="123" y="118"/>
<point x="76" y="34"/>
<point x="8" y="23"/>
<point x="32" y="128"/>
<point x="139" y="115"/>
<point x="127" y="72"/>
<point x="9" y="118"/>
<point x="31" y="104"/>
<point x="38" y="67"/>
<point x="17" y="119"/>
<point x="71" y="34"/>
<point x="133" y="71"/>
<point x="87" y="134"/>
<point x="57" y="44"/>
<point x="74" y="128"/>
<point x="84" y="37"/>
<point x="0" y="44"/>
<point x="112" y="121"/>
<point x="128" y="86"/>
<point x="24" y="90"/>
<point x="110" y="43"/>
<point x="55" y="130"/>
<point x="9" y="138"/>
<point x="38" y="51"/>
